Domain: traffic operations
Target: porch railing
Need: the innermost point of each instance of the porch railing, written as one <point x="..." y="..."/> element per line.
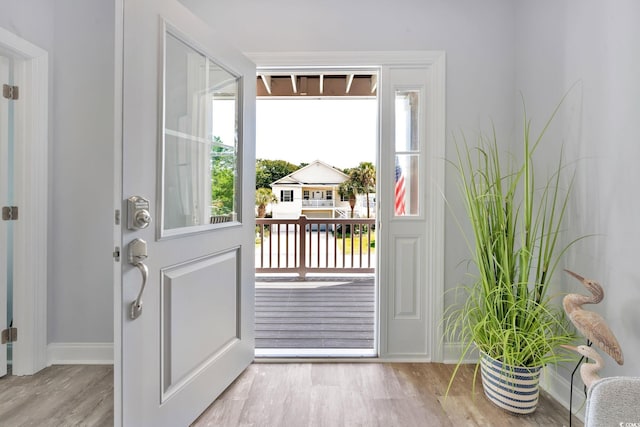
<point x="317" y="203"/>
<point x="314" y="245"/>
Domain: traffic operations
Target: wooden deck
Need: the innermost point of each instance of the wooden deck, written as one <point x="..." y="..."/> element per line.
<point x="315" y="314"/>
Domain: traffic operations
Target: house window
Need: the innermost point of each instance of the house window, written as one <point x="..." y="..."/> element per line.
<point x="344" y="198"/>
<point x="286" y="195"/>
<point x="305" y="194"/>
<point x="329" y="194"/>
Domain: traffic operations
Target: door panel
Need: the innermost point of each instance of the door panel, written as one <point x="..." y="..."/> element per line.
<point x="194" y="335"/>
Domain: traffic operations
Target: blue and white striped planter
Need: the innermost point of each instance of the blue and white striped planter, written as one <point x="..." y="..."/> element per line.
<point x="515" y="389"/>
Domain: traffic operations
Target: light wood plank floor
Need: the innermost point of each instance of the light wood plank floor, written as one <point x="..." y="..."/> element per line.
<point x="69" y="395"/>
<point x="364" y="394"/>
<point x="282" y="395"/>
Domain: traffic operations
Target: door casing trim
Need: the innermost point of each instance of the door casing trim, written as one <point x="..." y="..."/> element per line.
<point x="31" y="195"/>
<point x="435" y="62"/>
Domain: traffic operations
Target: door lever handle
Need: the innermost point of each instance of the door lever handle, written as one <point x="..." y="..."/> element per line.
<point x="136" y="306"/>
<point x="137" y="254"/>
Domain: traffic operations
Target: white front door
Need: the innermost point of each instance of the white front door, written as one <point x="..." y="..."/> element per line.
<point x="4" y="201"/>
<point x="189" y="157"/>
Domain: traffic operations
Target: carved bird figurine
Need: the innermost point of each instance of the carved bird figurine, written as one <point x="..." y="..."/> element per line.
<point x="588" y="371"/>
<point x="590" y="323"/>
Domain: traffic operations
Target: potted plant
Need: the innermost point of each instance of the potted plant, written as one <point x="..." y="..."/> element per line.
<point x="507" y="313"/>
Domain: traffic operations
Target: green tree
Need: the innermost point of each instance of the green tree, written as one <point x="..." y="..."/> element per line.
<point x="364" y="179"/>
<point x="223" y="178"/>
<point x="268" y="171"/>
<point x="349" y="189"/>
<point x="264" y="196"/>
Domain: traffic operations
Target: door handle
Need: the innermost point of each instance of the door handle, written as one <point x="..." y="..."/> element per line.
<point x="137" y="254"/>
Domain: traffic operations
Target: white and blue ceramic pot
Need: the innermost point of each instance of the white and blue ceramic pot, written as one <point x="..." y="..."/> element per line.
<point x="515" y="389"/>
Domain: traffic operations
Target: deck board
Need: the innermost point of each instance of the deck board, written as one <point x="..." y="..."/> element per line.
<point x="315" y="314"/>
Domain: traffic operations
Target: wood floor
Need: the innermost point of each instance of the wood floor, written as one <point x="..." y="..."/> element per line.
<point x="364" y="394"/>
<point x="70" y="395"/>
<point x="315" y="314"/>
<point x="282" y="395"/>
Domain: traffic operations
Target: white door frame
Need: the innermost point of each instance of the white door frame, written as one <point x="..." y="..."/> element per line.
<point x="31" y="193"/>
<point x="434" y="62"/>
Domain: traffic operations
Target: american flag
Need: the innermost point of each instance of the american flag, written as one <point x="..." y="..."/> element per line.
<point x="400" y="192"/>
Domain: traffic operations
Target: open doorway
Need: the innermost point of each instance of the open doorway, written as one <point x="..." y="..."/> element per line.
<point x="316" y="173"/>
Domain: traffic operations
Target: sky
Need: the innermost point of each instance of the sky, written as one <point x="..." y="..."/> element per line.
<point x="340" y="132"/>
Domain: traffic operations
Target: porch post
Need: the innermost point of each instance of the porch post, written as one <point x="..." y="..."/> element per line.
<point x="302" y="261"/>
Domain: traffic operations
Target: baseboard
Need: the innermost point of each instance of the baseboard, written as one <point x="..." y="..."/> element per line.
<point x="80" y="353"/>
<point x="560" y="388"/>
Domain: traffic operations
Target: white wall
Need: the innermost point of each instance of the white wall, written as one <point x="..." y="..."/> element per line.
<point x="79" y="39"/>
<point x="597" y="44"/>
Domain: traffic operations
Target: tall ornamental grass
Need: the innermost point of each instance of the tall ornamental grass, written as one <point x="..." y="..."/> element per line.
<point x="517" y="226"/>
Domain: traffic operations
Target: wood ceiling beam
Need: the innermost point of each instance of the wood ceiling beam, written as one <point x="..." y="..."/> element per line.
<point x="316" y="85"/>
<point x="349" y="82"/>
<point x="266" y="81"/>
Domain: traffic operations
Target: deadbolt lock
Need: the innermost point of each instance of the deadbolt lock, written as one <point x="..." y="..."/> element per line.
<point x="138" y="215"/>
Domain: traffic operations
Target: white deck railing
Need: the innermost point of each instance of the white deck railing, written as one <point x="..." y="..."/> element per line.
<point x="314" y="245"/>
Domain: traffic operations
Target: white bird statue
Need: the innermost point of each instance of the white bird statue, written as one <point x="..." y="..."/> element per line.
<point x="590" y="323"/>
<point x="588" y="371"/>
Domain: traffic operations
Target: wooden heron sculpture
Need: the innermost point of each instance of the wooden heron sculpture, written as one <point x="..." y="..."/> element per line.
<point x="588" y="371"/>
<point x="590" y="323"/>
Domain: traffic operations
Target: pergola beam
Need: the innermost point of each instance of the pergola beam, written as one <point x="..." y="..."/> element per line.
<point x="317" y="85"/>
<point x="266" y="80"/>
<point x="349" y="82"/>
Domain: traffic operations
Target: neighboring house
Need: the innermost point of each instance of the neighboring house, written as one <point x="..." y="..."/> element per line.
<point x="311" y="191"/>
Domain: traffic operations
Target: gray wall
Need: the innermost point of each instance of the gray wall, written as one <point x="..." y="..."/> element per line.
<point x="79" y="38"/>
<point x="594" y="44"/>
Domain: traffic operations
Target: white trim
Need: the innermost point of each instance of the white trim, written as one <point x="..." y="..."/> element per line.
<point x="287" y="60"/>
<point x="304" y="353"/>
<point x="118" y="204"/>
<point x="435" y="62"/>
<point x="80" y="354"/>
<point x="31" y="192"/>
<point x="436" y="135"/>
<point x="559" y="388"/>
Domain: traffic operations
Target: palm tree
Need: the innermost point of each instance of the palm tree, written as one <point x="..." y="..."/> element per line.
<point x="264" y="196"/>
<point x="349" y="189"/>
<point x="364" y="177"/>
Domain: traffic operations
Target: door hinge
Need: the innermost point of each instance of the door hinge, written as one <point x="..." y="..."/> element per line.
<point x="9" y="213"/>
<point x="117" y="217"/>
<point x="10" y="92"/>
<point x="116" y="253"/>
<point x="9" y="335"/>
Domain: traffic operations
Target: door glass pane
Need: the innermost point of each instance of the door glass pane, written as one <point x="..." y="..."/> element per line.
<point x="407" y="153"/>
<point x="406" y="185"/>
<point x="407" y="138"/>
<point x="200" y="135"/>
